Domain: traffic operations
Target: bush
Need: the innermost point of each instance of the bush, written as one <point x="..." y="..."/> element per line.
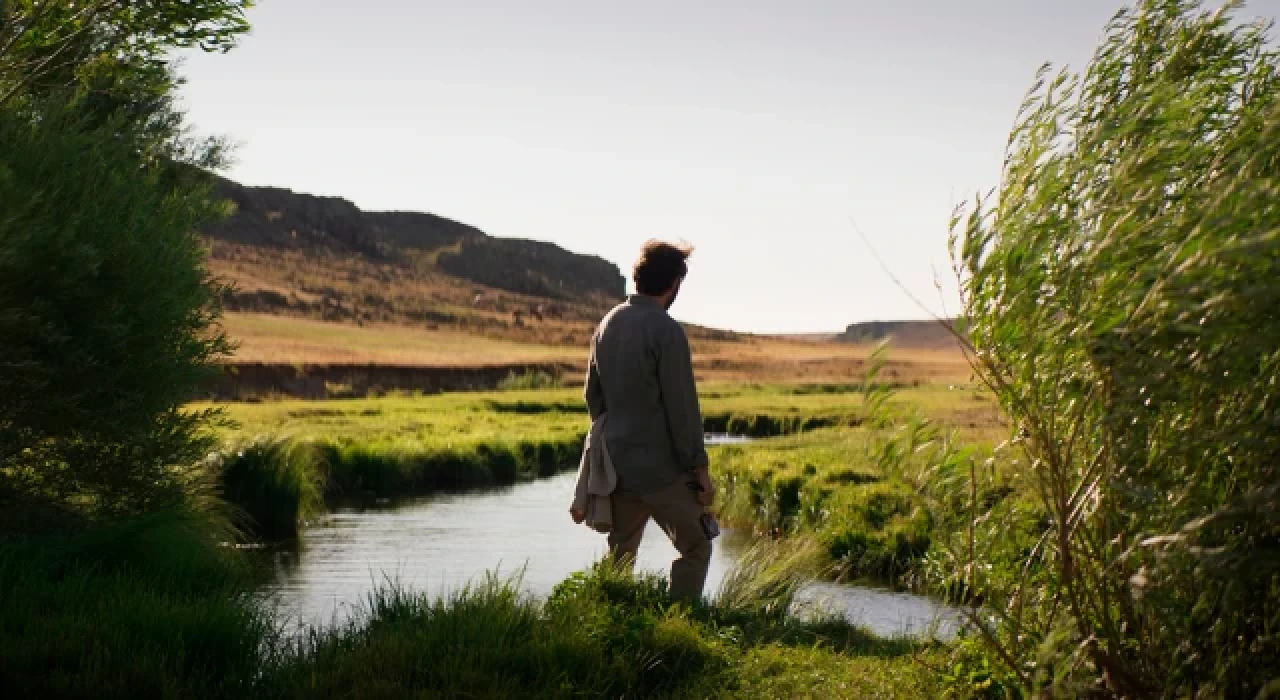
<point x="522" y="381"/>
<point x="1124" y="307"/>
<point x="105" y="317"/>
<point x="275" y="484"/>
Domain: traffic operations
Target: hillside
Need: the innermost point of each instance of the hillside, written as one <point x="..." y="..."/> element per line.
<point x="323" y="298"/>
<point x="283" y="220"/>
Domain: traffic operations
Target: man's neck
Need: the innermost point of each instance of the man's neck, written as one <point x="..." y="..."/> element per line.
<point x="663" y="301"/>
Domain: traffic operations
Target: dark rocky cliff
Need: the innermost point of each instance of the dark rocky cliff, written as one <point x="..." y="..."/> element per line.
<point x="904" y="334"/>
<point x="279" y="218"/>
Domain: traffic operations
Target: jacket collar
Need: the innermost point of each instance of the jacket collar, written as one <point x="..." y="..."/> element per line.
<point x="644" y="300"/>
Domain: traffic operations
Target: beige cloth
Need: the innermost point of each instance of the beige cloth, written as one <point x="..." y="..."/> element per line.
<point x="677" y="511"/>
<point x="596" y="482"/>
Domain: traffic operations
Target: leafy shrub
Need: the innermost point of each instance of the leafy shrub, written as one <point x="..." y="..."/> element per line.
<point x="1124" y="307"/>
<point x="105" y="317"/>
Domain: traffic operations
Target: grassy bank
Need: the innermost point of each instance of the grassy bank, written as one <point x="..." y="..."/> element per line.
<point x="286" y="459"/>
<point x="826" y="486"/>
<point x="826" y="483"/>
<point x="155" y="608"/>
<point x="849" y="485"/>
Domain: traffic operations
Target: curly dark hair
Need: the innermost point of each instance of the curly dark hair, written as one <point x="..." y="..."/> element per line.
<point x="660" y="266"/>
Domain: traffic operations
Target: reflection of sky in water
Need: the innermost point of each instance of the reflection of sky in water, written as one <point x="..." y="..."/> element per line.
<point x="438" y="544"/>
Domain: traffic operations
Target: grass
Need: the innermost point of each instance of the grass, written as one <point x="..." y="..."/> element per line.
<point x="156" y="608"/>
<point x="281" y="453"/>
<point x="461" y="419"/>
<point x="274" y="484"/>
<point x="271" y="338"/>
<point x="148" y="608"/>
<point x="823" y="480"/>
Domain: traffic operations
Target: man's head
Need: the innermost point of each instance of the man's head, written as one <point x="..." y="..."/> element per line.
<point x="660" y="270"/>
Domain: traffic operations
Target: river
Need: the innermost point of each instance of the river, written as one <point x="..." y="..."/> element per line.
<point x="440" y="543"/>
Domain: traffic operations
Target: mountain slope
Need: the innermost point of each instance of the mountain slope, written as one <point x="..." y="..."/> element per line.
<point x="279" y="219"/>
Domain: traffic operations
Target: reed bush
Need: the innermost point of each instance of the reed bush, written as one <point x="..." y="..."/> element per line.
<point x="275" y="484"/>
<point x="1123" y="306"/>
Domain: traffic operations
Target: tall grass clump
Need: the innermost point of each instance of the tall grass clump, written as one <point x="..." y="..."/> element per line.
<point x="1122" y="298"/>
<point x="149" y="607"/>
<point x="766" y="578"/>
<point x="524" y="381"/>
<point x="602" y="634"/>
<point x="406" y="468"/>
<point x="273" y="484"/>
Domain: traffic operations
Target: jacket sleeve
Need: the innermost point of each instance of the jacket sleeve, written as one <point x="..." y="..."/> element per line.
<point x="594" y="392"/>
<point x="680" y="396"/>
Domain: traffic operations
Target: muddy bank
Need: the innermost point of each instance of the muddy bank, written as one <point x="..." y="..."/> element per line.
<point x="259" y="380"/>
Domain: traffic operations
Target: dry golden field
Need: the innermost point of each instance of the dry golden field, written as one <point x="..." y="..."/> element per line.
<point x="268" y="338"/>
<point x="310" y="307"/>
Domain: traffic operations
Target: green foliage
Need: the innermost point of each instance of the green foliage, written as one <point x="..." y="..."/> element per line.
<point x="274" y="483"/>
<point x="860" y="493"/>
<point x="1123" y="306"/>
<point x="106" y="308"/>
<point x="105" y="318"/>
<point x="49" y="46"/>
<point x="151" y="607"/>
<point x="529" y="381"/>
<point x="156" y="607"/>
<point x="402" y="469"/>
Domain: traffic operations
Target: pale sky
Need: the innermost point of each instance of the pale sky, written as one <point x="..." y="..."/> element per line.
<point x="756" y="130"/>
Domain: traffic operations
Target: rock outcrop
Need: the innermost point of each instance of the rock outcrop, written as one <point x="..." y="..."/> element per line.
<point x="932" y="335"/>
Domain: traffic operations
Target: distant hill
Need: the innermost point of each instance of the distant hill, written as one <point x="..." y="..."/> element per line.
<point x="280" y="219"/>
<point x="924" y="335"/>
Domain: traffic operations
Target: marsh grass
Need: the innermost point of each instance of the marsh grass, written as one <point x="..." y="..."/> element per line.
<point x="274" y="485"/>
<point x="1121" y="291"/>
<point x="404" y="446"/>
<point x="828" y="486"/>
<point x="153" y="607"/>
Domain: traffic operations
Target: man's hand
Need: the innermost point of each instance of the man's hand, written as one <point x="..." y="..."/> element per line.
<point x="706" y="487"/>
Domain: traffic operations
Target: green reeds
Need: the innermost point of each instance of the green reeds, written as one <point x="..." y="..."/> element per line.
<point x="272" y="483"/>
<point x="401" y="469"/>
<point x="765" y="425"/>
<point x="154" y="607"/>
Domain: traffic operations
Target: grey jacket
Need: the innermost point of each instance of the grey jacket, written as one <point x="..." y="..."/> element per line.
<point x="641" y="373"/>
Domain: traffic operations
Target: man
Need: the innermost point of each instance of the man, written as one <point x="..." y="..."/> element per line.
<point x="641" y="374"/>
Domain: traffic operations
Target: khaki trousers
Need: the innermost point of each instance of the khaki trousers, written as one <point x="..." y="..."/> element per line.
<point x="676" y="510"/>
